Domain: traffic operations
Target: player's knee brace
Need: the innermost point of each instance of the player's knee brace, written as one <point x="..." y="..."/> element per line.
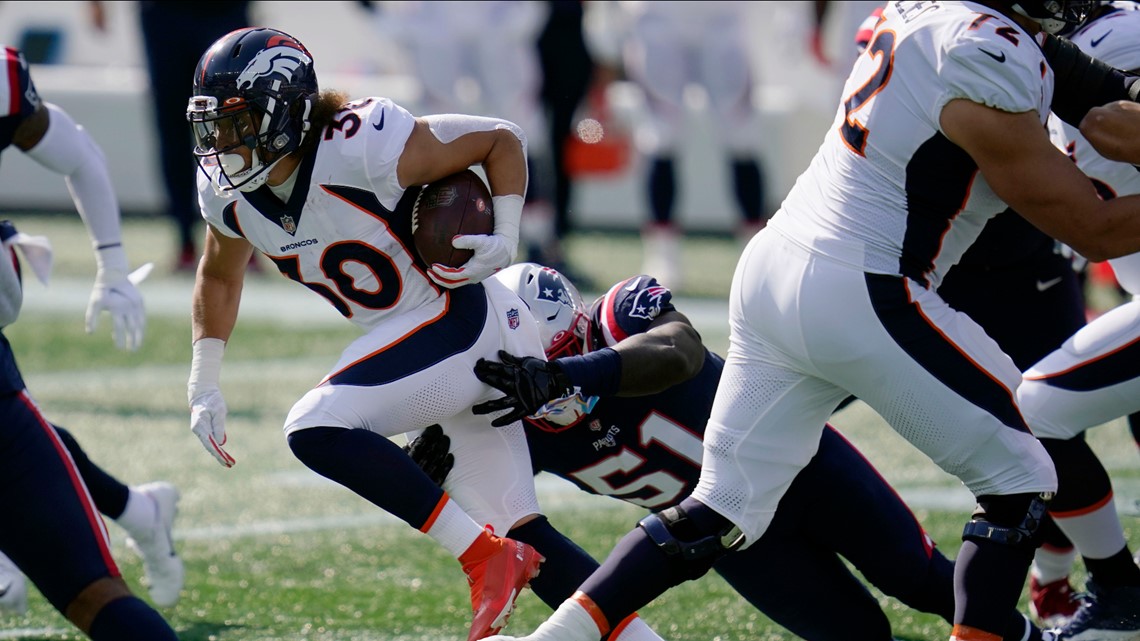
<point x="682" y="540"/>
<point x="1013" y="519"/>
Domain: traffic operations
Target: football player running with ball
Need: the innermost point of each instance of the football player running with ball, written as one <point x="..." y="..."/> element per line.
<point x="324" y="187"/>
<point x="940" y="129"/>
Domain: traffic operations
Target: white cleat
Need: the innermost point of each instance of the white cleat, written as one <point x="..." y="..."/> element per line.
<point x="13" y="588"/>
<point x="162" y="567"/>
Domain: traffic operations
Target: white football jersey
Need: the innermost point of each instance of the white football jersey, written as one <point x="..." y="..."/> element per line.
<point x="887" y="192"/>
<point x="1113" y="38"/>
<point x="346" y="231"/>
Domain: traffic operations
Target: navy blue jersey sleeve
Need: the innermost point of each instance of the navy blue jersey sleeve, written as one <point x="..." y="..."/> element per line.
<point x="628" y="308"/>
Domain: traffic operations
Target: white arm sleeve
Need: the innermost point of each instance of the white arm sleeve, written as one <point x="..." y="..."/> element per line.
<point x="448" y="127"/>
<point x="68" y="149"/>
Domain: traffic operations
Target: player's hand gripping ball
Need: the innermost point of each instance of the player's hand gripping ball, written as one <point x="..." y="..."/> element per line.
<point x="458" y="205"/>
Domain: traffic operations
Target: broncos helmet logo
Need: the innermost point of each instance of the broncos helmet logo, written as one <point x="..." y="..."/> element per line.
<point x="280" y="59"/>
<point x="647" y="302"/>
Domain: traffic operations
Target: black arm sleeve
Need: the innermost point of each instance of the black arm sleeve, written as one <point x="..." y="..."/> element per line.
<point x="1083" y="82"/>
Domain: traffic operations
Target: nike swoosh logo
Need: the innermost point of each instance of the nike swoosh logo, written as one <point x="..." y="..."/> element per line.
<point x="379" y="125"/>
<point x="1094" y="43"/>
<point x="633" y="285"/>
<point x="999" y="58"/>
<point x="1042" y="285"/>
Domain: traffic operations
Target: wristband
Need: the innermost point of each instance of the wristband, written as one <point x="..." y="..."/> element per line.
<point x="112" y="258"/>
<point x="596" y="374"/>
<point x="205" y="366"/>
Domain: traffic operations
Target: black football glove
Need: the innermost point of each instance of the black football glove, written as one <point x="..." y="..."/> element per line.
<point x="430" y="451"/>
<point x="528" y="382"/>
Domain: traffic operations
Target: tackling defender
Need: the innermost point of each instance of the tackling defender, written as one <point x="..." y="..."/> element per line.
<point x="640" y="441"/>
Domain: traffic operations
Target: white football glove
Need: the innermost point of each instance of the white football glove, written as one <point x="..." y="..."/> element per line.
<point x="115" y="292"/>
<point x="492" y="252"/>
<point x="207" y="406"/>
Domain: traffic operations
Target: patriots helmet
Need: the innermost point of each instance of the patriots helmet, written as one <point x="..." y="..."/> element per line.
<point x="253" y="88"/>
<point x="563" y="319"/>
<point x="564" y="327"/>
<point x="1056" y="16"/>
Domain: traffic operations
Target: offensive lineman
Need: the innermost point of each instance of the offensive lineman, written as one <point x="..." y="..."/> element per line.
<point x="941" y="129"/>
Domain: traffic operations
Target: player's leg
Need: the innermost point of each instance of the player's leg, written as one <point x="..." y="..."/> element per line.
<point x="1090" y="380"/>
<point x="413" y="371"/>
<point x="1032" y="280"/>
<point x="725" y="70"/>
<point x="60" y="541"/>
<point x="656" y="59"/>
<point x="147" y="514"/>
<point x="946" y="387"/>
<point x="793" y="565"/>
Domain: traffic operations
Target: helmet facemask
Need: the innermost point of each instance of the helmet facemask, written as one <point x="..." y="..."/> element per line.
<point x="221" y="132"/>
<point x="1056" y="16"/>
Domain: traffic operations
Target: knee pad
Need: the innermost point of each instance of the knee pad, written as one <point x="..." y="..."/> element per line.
<point x="1013" y="519"/>
<point x="677" y="536"/>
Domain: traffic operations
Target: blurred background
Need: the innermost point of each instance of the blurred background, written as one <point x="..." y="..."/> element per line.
<point x="99" y="75"/>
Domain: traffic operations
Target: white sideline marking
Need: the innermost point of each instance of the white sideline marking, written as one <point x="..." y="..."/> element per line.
<point x="20" y="633"/>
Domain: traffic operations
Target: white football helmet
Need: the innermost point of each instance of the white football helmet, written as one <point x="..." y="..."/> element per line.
<point x="564" y="326"/>
<point x="563" y="319"/>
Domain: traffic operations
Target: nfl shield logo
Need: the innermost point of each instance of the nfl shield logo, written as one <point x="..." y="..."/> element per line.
<point x="288" y="224"/>
<point x="513" y="318"/>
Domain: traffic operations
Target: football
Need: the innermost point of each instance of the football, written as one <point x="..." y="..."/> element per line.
<point x="458" y="205"/>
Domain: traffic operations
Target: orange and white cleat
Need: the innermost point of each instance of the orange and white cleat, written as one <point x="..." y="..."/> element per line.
<point x="496" y="582"/>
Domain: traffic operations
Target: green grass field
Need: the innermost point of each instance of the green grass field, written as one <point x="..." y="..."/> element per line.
<point x="274" y="552"/>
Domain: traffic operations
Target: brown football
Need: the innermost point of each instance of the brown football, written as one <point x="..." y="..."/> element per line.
<point x="458" y="205"/>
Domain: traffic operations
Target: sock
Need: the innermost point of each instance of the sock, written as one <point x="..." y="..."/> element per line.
<point x="1115" y="571"/>
<point x="633" y="628"/>
<point x="662" y="189"/>
<point x="1052" y="564"/>
<point x="566" y="565"/>
<point x="130" y="619"/>
<point x="988" y="580"/>
<point x="139" y="513"/>
<point x="457" y="533"/>
<point x="109" y="494"/>
<point x="749" y="186"/>
<point x="1096" y="533"/>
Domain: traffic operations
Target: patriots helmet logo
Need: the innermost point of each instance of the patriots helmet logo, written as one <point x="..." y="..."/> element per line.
<point x="282" y="59"/>
<point x="551" y="288"/>
<point x="647" y="303"/>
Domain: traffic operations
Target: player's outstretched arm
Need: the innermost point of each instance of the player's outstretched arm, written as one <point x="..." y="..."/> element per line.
<point x="50" y="137"/>
<point x="1017" y="159"/>
<point x="214" y="309"/>
<point x="668" y="353"/>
